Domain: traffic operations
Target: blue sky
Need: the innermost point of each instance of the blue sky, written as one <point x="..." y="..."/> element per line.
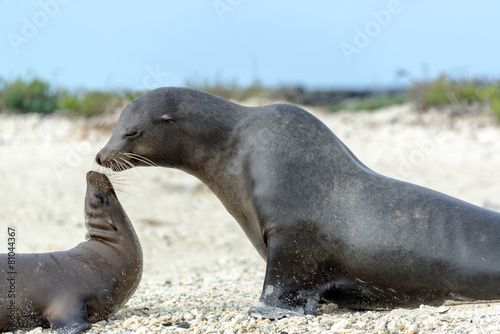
<point x="142" y="45"/>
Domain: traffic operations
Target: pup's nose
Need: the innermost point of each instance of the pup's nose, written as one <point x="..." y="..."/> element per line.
<point x="98" y="158"/>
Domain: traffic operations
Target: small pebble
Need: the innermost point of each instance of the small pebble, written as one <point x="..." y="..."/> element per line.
<point x="183" y="324"/>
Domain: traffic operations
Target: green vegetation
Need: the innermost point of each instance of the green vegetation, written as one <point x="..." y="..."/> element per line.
<point x="34" y="95"/>
<point x="90" y="103"/>
<point x="370" y="103"/>
<point x="491" y="93"/>
<point x="448" y="91"/>
<point x="233" y="90"/>
<point x="37" y="96"/>
<point x="2" y="88"/>
<point x="94" y="103"/>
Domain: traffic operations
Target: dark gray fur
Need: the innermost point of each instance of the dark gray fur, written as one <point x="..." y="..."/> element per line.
<point x="329" y="227"/>
<point x="69" y="290"/>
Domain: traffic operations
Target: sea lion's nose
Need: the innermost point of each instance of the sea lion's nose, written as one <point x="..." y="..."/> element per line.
<point x="98" y="158"/>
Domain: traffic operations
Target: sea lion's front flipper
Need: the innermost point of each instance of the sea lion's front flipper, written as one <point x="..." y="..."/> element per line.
<point x="73" y="328"/>
<point x="271" y="312"/>
<point x="69" y="316"/>
<point x="289" y="286"/>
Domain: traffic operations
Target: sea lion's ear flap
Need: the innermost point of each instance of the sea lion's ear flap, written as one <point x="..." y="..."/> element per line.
<point x="169" y="118"/>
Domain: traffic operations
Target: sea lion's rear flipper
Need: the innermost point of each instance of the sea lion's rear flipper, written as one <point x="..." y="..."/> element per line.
<point x="69" y="316"/>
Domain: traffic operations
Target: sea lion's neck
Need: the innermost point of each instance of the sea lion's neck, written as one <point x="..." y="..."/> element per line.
<point x="211" y="144"/>
<point x="112" y="229"/>
<point x="113" y="241"/>
<point x="101" y="228"/>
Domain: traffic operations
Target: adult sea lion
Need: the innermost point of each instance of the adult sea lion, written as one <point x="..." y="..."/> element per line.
<point x="69" y="290"/>
<point x="329" y="227"/>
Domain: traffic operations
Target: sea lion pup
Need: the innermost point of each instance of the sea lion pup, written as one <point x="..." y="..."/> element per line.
<point x="69" y="290"/>
<point x="328" y="226"/>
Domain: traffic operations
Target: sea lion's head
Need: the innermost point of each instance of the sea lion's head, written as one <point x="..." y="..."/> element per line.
<point x="168" y="127"/>
<point x="99" y="190"/>
<point x="101" y="203"/>
<point x="146" y="133"/>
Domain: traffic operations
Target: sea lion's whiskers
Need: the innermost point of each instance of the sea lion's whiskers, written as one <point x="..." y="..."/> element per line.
<point x="120" y="176"/>
<point x="119" y="165"/>
<point x="141" y="158"/>
<point x="123" y="190"/>
<point x="121" y="185"/>
<point x="126" y="162"/>
<point x="124" y="159"/>
<point x="136" y="172"/>
<point x="123" y="166"/>
<point x="129" y="166"/>
<point x="114" y="165"/>
<point x="104" y="184"/>
<point x="126" y="167"/>
<point x="115" y="185"/>
<point x="101" y="169"/>
<point x="110" y="173"/>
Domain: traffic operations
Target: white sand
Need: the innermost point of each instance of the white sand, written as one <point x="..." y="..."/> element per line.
<point x="199" y="266"/>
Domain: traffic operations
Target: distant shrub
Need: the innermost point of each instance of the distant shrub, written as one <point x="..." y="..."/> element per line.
<point x="36" y="96"/>
<point x="495" y="104"/>
<point x="29" y="96"/>
<point x="131" y="95"/>
<point x="370" y="103"/>
<point x="448" y="91"/>
<point x="491" y="94"/>
<point x="2" y="88"/>
<point x="233" y="90"/>
<point x="379" y="102"/>
<point x="90" y="103"/>
<point x="443" y="91"/>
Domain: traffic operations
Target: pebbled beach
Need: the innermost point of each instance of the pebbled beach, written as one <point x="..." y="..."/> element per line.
<point x="201" y="274"/>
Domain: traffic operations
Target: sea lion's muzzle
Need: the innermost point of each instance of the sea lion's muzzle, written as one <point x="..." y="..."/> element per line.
<point x="98" y="158"/>
<point x="118" y="161"/>
<point x="106" y="159"/>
